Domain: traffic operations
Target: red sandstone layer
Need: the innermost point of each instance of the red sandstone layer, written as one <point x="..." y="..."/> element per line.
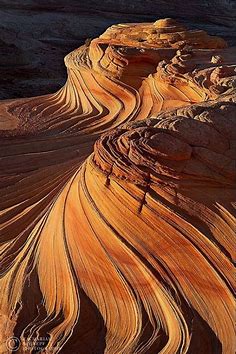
<point x="126" y="247"/>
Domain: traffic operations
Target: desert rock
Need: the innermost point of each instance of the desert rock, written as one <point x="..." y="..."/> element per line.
<point x="118" y="198"/>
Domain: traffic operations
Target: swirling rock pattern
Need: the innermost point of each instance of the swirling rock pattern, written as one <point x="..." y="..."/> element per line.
<point x="126" y="247"/>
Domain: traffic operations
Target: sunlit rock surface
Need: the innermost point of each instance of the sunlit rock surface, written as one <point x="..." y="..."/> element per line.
<point x="36" y="35"/>
<point x="118" y="196"/>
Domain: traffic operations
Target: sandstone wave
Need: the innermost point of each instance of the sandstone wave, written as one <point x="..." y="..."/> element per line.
<point x="118" y="199"/>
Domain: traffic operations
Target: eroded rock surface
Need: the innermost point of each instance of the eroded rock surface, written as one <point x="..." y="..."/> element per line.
<point x="118" y="198"/>
<point x="36" y="35"/>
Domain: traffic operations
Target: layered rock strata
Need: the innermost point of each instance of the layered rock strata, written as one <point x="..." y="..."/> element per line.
<point x="118" y="199"/>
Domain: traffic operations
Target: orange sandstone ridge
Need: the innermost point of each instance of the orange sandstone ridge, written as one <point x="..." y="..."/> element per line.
<point x="165" y="33"/>
<point x="118" y="199"/>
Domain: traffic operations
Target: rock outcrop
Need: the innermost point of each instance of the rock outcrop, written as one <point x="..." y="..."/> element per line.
<point x="118" y="199"/>
<point x="35" y="36"/>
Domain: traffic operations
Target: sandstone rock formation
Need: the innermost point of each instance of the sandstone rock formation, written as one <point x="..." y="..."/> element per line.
<point x="118" y="199"/>
<point x="36" y="35"/>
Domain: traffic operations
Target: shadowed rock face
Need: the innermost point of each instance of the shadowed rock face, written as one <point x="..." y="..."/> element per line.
<point x="117" y="199"/>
